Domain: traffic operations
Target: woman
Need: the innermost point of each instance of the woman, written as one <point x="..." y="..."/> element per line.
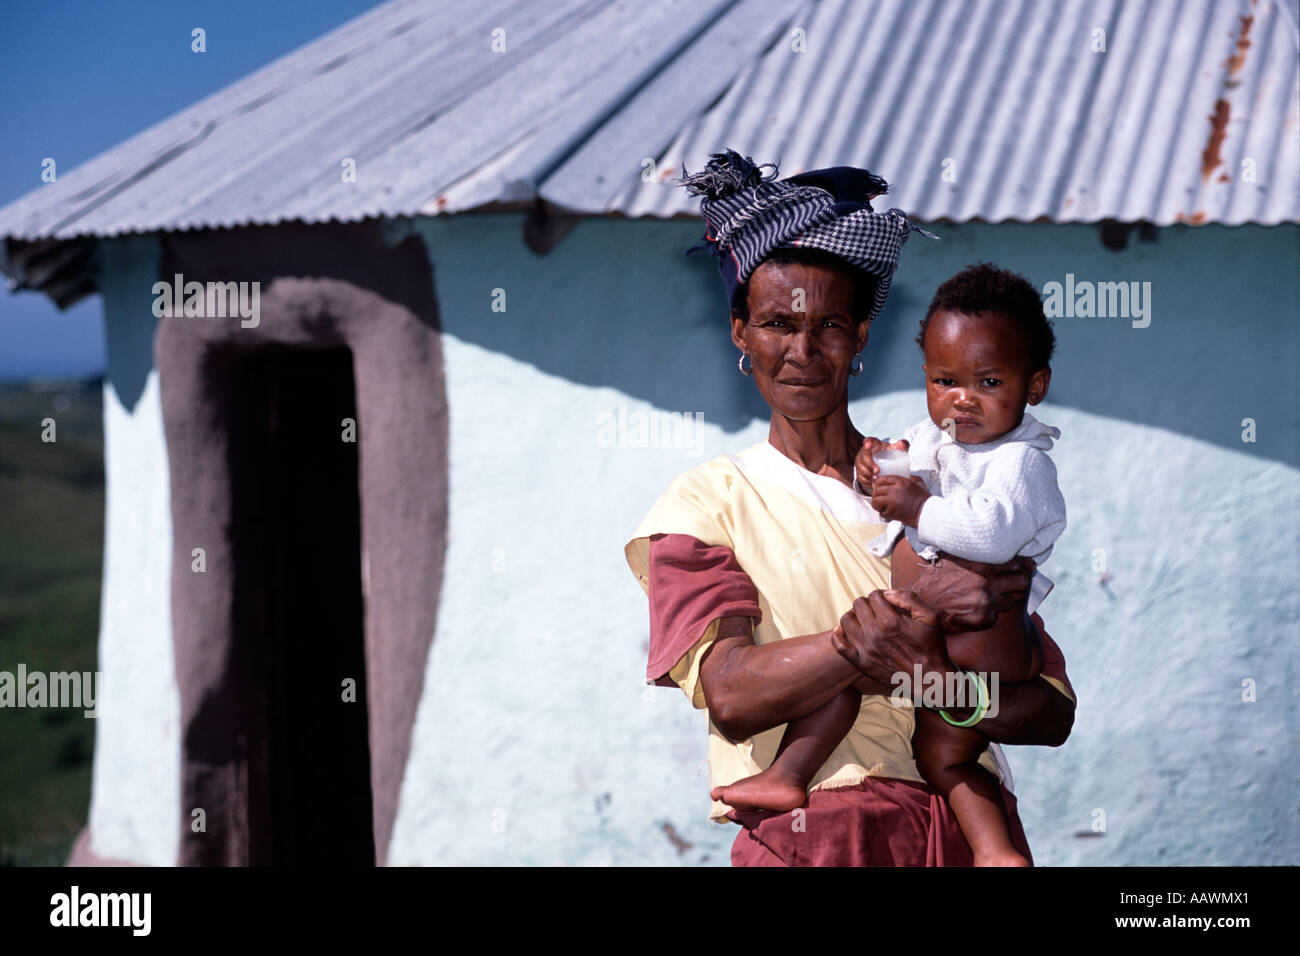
<point x="751" y="560"/>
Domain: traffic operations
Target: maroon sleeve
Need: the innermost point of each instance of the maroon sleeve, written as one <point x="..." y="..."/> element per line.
<point x="1053" y="659"/>
<point x="691" y="585"/>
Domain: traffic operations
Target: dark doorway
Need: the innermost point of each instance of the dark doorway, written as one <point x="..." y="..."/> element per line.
<point x="298" y="607"/>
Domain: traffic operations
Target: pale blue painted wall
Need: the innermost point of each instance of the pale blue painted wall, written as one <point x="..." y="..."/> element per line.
<point x="1223" y="342"/>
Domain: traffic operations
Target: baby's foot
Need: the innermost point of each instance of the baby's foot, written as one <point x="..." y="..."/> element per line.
<point x="1006" y="857"/>
<point x="763" y="791"/>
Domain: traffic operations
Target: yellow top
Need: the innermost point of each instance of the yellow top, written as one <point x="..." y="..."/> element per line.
<point x="801" y="537"/>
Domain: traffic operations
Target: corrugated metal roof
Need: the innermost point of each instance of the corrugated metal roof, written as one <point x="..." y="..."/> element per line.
<point x="414" y="93"/>
<point x="1008" y="98"/>
<point x="1188" y="104"/>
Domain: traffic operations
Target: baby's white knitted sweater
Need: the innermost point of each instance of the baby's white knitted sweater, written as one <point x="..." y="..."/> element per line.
<point x="990" y="502"/>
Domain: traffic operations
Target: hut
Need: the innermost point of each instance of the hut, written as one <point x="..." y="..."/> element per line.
<point x="401" y="344"/>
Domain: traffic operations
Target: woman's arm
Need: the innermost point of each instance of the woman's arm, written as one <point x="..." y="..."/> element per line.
<point x="1039" y="711"/>
<point x="1033" y="713"/>
<point x="752" y="687"/>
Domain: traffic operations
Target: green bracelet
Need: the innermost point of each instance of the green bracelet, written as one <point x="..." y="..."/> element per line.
<point x="980" y="709"/>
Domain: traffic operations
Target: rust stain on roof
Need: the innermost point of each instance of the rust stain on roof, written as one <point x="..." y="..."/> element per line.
<point x="1195" y="219"/>
<point x="1210" y="157"/>
<point x="1238" y="58"/>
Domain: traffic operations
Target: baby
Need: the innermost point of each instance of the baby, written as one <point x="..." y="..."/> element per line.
<point x="983" y="489"/>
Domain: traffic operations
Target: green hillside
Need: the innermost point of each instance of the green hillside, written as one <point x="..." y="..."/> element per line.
<point x="51" y="552"/>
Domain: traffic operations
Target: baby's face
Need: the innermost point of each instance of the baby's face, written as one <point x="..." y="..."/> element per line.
<point x="977" y="375"/>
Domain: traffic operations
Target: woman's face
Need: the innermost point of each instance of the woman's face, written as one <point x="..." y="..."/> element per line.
<point x="800" y="338"/>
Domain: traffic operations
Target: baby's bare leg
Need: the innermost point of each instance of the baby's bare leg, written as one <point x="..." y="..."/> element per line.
<point x="948" y="758"/>
<point x="807" y="744"/>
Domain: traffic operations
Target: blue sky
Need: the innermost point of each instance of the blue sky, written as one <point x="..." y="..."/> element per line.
<point x="79" y="76"/>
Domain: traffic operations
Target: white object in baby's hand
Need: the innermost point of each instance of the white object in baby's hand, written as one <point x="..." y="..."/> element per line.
<point x="891" y="461"/>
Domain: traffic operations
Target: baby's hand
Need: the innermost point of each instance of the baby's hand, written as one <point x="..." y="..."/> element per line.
<point x="899" y="499"/>
<point x="865" y="468"/>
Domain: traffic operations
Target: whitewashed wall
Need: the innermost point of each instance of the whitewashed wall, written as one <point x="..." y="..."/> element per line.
<point x="135" y="797"/>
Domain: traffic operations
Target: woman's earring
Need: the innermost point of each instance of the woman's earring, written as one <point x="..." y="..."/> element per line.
<point x="858" y="370"/>
<point x="741" y="363"/>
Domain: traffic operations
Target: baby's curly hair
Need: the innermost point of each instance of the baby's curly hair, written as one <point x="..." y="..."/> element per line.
<point x="983" y="287"/>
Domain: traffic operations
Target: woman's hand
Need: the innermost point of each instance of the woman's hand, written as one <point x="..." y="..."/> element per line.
<point x="969" y="595"/>
<point x="889" y="633"/>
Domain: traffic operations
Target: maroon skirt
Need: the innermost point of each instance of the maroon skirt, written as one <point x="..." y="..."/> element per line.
<point x="879" y="822"/>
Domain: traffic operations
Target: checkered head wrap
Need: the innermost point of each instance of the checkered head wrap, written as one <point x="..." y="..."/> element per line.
<point x="749" y="214"/>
